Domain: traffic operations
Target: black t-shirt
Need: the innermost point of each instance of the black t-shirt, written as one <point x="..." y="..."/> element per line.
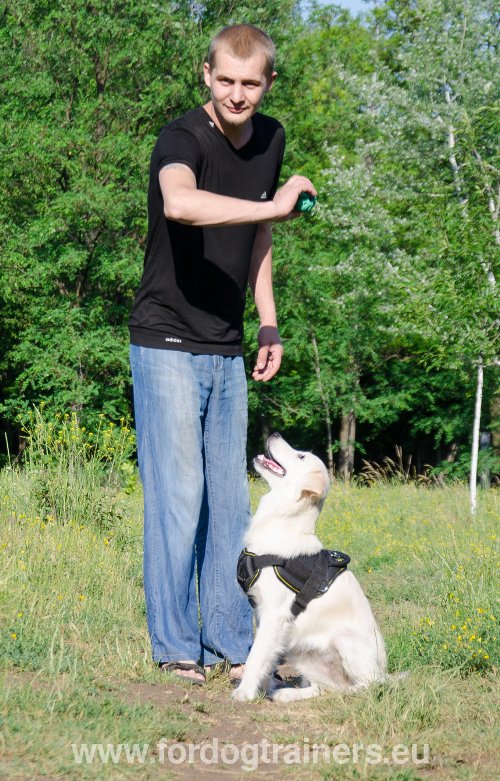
<point x="192" y="293"/>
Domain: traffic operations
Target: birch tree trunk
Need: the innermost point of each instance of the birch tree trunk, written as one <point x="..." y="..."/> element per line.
<point x="493" y="207"/>
<point x="475" y="438"/>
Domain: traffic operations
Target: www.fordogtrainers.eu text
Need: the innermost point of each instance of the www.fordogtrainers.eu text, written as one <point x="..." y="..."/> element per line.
<point x="250" y="756"/>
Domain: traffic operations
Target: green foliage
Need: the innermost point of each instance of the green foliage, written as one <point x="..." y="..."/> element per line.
<point x="488" y="466"/>
<point x="384" y="292"/>
<point x="393" y="277"/>
<point x="73" y="211"/>
<point x="438" y="134"/>
<point x="86" y="90"/>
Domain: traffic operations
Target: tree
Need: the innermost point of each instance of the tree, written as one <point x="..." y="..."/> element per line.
<point x="445" y="113"/>
<point x="389" y="193"/>
<point x="385" y="294"/>
<point x="86" y="88"/>
<point x="316" y="75"/>
<point x="82" y="98"/>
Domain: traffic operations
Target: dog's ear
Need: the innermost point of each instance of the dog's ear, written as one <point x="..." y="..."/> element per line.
<point x="314" y="485"/>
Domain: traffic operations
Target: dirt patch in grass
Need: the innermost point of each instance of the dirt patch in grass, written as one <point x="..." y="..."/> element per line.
<point x="240" y="734"/>
<point x="330" y="720"/>
<point x="229" y="739"/>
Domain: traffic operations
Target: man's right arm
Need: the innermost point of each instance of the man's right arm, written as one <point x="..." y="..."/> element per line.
<point x="185" y="203"/>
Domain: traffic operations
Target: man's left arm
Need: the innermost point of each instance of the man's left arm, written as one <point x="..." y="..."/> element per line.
<point x="261" y="285"/>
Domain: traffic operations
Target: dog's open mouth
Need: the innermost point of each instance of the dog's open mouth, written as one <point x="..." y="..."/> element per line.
<point x="269" y="463"/>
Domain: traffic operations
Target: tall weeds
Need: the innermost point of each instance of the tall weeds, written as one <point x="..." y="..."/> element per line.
<point x="399" y="470"/>
<point x="75" y="474"/>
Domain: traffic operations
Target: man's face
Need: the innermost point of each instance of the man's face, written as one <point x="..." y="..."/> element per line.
<point x="237" y="86"/>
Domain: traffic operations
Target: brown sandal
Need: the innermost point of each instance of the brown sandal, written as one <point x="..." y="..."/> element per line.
<point x="171" y="667"/>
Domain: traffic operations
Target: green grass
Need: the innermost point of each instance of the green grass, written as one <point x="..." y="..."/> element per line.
<point x="75" y="658"/>
<point x="417" y="550"/>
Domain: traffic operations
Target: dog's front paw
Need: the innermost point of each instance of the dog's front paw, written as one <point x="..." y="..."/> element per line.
<point x="291" y="694"/>
<point x="286" y="694"/>
<point x="245" y="693"/>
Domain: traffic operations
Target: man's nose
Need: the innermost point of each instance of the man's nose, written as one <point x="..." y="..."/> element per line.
<point x="237" y="93"/>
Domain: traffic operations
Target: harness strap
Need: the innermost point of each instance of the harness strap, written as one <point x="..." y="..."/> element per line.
<point x="250" y="566"/>
<point x="312" y="585"/>
<point x="307" y="580"/>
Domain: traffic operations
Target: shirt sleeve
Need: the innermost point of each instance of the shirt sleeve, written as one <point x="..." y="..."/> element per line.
<point x="177" y="145"/>
<point x="279" y="162"/>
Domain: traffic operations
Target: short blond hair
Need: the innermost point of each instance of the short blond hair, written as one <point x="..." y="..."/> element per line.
<point x="243" y="40"/>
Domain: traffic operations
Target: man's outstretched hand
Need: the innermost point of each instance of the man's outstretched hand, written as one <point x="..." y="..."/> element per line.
<point x="269" y="355"/>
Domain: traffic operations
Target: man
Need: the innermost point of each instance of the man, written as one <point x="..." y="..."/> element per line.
<point x="212" y="194"/>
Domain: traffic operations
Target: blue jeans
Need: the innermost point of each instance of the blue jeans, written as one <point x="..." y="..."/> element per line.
<point x="191" y="421"/>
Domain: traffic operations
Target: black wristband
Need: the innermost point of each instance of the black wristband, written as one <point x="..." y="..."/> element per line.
<point x="268" y="334"/>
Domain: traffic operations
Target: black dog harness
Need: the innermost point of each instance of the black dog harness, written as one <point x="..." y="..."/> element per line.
<point x="308" y="576"/>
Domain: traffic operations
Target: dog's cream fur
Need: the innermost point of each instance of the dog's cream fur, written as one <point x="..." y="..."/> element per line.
<point x="335" y="643"/>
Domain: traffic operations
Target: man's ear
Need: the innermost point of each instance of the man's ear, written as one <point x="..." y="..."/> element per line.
<point x="271" y="81"/>
<point x="206" y="73"/>
<point x="314" y="485"/>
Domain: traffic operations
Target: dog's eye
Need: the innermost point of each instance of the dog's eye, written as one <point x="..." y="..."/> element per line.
<point x="301" y="456"/>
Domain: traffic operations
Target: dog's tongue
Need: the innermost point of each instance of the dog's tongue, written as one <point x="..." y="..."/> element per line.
<point x="271" y="465"/>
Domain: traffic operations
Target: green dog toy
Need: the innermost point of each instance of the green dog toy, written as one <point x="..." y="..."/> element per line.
<point x="305" y="202"/>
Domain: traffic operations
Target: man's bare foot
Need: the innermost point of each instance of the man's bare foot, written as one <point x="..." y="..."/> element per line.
<point x="234" y="671"/>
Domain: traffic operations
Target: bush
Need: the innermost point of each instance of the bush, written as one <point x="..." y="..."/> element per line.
<point x="488" y="466"/>
<point x="76" y="474"/>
